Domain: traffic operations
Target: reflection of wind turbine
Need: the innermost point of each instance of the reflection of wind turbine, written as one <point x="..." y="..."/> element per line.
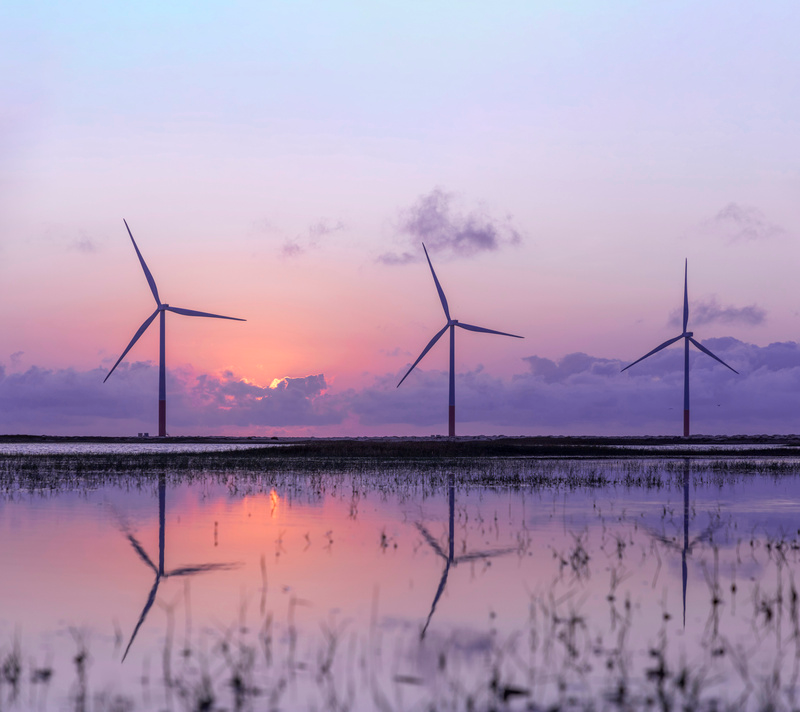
<point x="449" y="558"/>
<point x="159" y="570"/>
<point x="451" y="324"/>
<point x="687" y="336"/>
<point x="688" y="545"/>
<point x="161" y="310"/>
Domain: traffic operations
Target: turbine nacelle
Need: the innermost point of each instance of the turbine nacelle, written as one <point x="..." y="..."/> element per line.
<point x="688" y="334"/>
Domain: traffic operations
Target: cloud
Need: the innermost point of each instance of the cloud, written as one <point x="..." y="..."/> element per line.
<point x="740" y="223"/>
<point x="708" y="312"/>
<point x="83" y="245"/>
<point x="433" y="220"/>
<point x="16" y="358"/>
<point x="585" y="394"/>
<point x="291" y="249"/>
<point x="70" y="238"/>
<point x="572" y="364"/>
<point x="577" y="394"/>
<point x="315" y="234"/>
<point x="396" y="351"/>
<point x="264" y="226"/>
<point x="66" y="401"/>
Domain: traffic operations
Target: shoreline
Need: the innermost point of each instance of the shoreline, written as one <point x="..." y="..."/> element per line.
<point x="788" y="440"/>
<point x="443" y="447"/>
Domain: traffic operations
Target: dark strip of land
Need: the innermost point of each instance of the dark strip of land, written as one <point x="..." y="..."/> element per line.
<point x="741" y="446"/>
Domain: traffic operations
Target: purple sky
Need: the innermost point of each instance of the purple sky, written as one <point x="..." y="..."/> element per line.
<point x="283" y="163"/>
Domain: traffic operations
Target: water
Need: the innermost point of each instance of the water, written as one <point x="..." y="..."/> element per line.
<point x="408" y="590"/>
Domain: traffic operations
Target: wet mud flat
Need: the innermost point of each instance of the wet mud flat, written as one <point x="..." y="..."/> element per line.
<point x="411" y="574"/>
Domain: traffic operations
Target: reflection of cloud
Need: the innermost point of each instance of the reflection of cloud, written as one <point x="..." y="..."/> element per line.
<point x="577" y="394"/>
<point x="433" y="221"/>
<point x="311" y="240"/>
<point x="743" y="223"/>
<point x="706" y="312"/>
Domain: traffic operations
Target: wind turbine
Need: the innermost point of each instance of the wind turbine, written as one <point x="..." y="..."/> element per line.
<point x="450" y="559"/>
<point x="687" y="336"/>
<point x="160" y="311"/>
<point x="159" y="570"/>
<point x="451" y="324"/>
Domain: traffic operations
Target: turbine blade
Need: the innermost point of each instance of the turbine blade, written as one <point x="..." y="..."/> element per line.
<point x="135" y="338"/>
<point x="706" y="351"/>
<point x="425" y="350"/>
<point x="685" y="294"/>
<point x="431" y="541"/>
<point x="474" y="556"/>
<point x="655" y="350"/>
<point x="438" y="286"/>
<point x="439" y="591"/>
<point x="147" y="606"/>
<point x="191" y="312"/>
<point x="147" y="274"/>
<point x="137" y="547"/>
<point x="200" y="568"/>
<point x="469" y="327"/>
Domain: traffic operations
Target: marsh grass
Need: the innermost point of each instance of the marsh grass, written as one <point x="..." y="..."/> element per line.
<point x="504" y="459"/>
<point x="559" y="659"/>
<point x="310" y="479"/>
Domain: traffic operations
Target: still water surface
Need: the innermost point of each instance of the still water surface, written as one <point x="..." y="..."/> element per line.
<point x="361" y="591"/>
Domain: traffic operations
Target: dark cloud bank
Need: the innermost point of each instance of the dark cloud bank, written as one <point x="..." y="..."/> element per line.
<point x="579" y="394"/>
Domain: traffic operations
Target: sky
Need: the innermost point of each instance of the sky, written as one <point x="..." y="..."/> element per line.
<point x="284" y="162"/>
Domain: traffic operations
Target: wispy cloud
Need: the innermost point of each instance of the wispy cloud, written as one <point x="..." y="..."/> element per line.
<point x="316" y="234"/>
<point x="708" y="312"/>
<point x="434" y="221"/>
<point x="71" y="238"/>
<point x="396" y="351"/>
<point x="743" y="223"/>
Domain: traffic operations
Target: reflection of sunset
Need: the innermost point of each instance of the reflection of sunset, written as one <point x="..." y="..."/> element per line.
<point x="274" y="499"/>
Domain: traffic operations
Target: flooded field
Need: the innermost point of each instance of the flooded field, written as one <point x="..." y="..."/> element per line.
<point x="240" y="581"/>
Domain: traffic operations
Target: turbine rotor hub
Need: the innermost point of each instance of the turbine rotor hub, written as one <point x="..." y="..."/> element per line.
<point x="688" y="333"/>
